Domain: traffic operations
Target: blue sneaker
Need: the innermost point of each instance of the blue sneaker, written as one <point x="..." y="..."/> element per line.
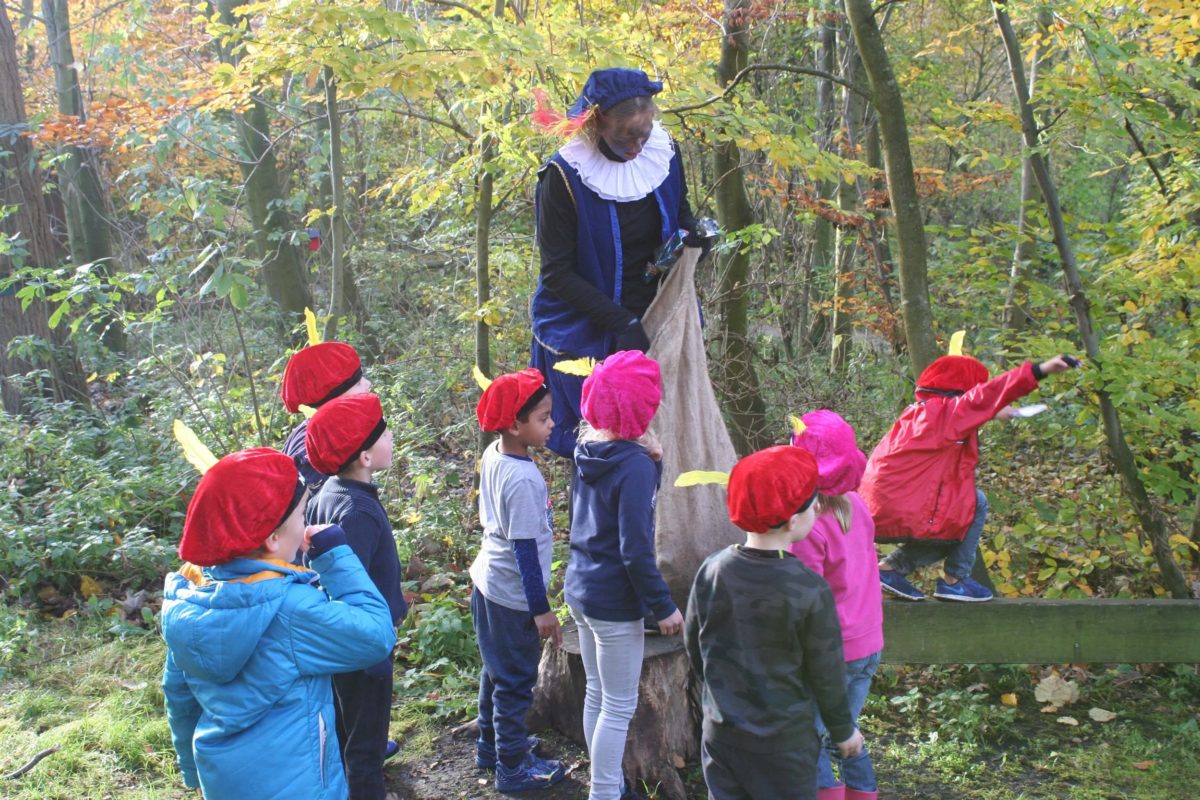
<point x="485" y="752"/>
<point x="532" y="773"/>
<point x="390" y="749"/>
<point x="895" y="583"/>
<point x="965" y="591"/>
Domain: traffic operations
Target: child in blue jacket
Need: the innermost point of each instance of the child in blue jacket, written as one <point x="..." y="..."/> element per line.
<point x="612" y="577"/>
<point x="252" y="642"/>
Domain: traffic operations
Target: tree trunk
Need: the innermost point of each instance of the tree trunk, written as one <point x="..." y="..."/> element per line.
<point x="1016" y="314"/>
<point x="747" y="410"/>
<point x="337" y="225"/>
<point x="282" y="268"/>
<point x="21" y="188"/>
<point x="1153" y="526"/>
<point x="902" y="186"/>
<point x="86" y="201"/>
<point x="664" y="732"/>
<point x="847" y="238"/>
<point x="352" y="299"/>
<point x="823" y="256"/>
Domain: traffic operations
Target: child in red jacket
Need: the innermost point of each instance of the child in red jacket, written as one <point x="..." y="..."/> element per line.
<point x="920" y="480"/>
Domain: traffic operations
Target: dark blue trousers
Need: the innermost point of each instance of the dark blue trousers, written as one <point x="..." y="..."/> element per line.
<point x="511" y="649"/>
<point x="364" y="707"/>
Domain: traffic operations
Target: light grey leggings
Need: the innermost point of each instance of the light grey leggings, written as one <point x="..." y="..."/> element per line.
<point x="612" y="661"/>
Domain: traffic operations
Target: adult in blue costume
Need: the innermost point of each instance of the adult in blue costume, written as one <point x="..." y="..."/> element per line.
<point x="606" y="201"/>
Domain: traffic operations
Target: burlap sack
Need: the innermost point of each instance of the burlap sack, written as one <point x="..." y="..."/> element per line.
<point x="691" y="522"/>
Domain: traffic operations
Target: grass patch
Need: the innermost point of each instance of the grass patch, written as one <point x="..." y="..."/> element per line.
<point x="97" y="698"/>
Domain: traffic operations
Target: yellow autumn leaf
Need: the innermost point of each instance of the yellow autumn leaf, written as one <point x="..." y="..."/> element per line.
<point x="307" y="411"/>
<point x="1009" y="698"/>
<point x="700" y="477"/>
<point x="483" y="380"/>
<point x="89" y="588"/>
<point x="577" y="366"/>
<point x="798" y="426"/>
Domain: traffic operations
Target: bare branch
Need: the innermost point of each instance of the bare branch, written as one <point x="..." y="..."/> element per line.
<point x="816" y="73"/>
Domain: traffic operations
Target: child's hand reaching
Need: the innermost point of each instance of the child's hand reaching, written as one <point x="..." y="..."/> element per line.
<point x="1059" y="364"/>
<point x="548" y="627"/>
<point x="852" y="746"/>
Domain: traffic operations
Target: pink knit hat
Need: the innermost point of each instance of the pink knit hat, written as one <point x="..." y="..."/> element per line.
<point x="840" y="464"/>
<point x="622" y="394"/>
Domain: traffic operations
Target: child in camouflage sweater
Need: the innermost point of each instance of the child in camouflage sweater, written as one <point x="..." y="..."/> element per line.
<point x="763" y="637"/>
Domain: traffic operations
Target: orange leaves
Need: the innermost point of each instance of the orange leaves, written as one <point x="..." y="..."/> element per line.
<point x="108" y="122"/>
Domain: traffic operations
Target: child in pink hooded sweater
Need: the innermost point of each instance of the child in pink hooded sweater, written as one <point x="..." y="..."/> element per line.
<point x="841" y="549"/>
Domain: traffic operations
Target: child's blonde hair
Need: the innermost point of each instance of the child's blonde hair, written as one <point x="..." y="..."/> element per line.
<point x="587" y="433"/>
<point x="839" y="506"/>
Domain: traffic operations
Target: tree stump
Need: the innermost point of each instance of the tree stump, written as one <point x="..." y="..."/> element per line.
<point x="664" y="733"/>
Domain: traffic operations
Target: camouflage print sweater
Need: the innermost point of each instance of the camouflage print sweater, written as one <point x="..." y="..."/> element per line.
<point x="762" y="634"/>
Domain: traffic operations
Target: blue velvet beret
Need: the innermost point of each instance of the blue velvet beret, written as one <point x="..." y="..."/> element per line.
<point x="607" y="87"/>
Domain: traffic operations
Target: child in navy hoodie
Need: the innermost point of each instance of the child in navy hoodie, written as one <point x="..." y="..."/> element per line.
<point x="348" y="439"/>
<point x="612" y="577"/>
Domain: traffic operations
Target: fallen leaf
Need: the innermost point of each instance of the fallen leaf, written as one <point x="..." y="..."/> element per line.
<point x="678" y="762"/>
<point x="1143" y="764"/>
<point x="1049" y="709"/>
<point x="1067" y="721"/>
<point x="1102" y="715"/>
<point x="1009" y="699"/>
<point x="88" y="587"/>
<point x="133" y="686"/>
<point x="1054" y="690"/>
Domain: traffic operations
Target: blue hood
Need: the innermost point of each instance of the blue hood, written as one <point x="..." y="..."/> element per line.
<point x="595" y="460"/>
<point x="214" y="628"/>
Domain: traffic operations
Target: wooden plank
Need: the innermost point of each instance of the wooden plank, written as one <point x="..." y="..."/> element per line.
<point x="1042" y="632"/>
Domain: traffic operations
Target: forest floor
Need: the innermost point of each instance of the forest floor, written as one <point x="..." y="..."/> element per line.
<point x="90" y="688"/>
<point x="961" y="742"/>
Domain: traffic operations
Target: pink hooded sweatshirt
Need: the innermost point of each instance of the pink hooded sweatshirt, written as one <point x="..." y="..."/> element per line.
<point x="848" y="563"/>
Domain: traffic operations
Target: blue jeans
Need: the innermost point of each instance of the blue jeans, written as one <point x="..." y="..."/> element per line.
<point x="511" y="649"/>
<point x="959" y="556"/>
<point x="856" y="772"/>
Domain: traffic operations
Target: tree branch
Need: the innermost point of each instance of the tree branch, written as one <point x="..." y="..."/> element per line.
<point x="31" y="763"/>
<point x="816" y="73"/>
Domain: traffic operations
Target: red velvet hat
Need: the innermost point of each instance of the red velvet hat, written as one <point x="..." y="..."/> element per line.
<point x="341" y="429"/>
<point x="319" y="373"/>
<point x="952" y="374"/>
<point x="766" y="488"/>
<point x="504" y="397"/>
<point x="240" y="501"/>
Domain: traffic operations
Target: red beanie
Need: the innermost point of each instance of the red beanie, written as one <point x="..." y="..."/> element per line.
<point x="501" y="401"/>
<point x="319" y="373"/>
<point x="240" y="501"/>
<point x="766" y="488"/>
<point x="952" y="374"/>
<point x="341" y="429"/>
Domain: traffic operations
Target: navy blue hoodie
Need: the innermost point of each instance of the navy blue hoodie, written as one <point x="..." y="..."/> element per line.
<point x="612" y="574"/>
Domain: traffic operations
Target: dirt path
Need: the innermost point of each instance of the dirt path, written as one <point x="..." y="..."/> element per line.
<point x="449" y="772"/>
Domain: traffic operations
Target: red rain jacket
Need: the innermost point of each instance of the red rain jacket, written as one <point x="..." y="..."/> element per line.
<point x="920" y="480"/>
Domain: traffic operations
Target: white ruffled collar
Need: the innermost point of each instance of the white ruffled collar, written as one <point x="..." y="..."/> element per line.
<point x="622" y="181"/>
